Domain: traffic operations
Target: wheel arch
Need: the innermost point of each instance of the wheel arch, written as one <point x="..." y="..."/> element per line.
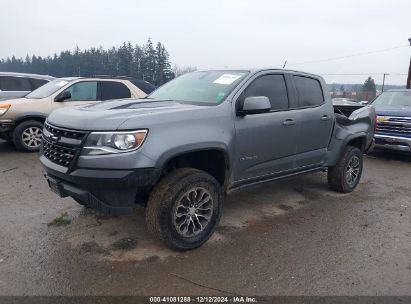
<point x="213" y="160"/>
<point x="40" y="117"/>
<point x="358" y="140"/>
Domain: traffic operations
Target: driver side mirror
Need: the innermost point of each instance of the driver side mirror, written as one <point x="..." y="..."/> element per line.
<point x="255" y="105"/>
<point x="62" y="96"/>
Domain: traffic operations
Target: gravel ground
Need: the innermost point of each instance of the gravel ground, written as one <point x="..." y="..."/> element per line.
<point x="294" y="237"/>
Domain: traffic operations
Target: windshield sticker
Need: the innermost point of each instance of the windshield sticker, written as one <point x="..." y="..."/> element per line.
<point x="227" y="79"/>
<point x="62" y="83"/>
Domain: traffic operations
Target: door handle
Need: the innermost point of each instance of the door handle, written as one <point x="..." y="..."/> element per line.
<point x="325" y="117"/>
<point x="289" y="122"/>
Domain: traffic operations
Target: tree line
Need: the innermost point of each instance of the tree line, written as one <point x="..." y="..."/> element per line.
<point x="148" y="62"/>
<point x="366" y="91"/>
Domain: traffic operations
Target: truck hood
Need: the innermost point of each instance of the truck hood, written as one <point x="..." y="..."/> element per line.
<point x="124" y="114"/>
<point x="401" y="111"/>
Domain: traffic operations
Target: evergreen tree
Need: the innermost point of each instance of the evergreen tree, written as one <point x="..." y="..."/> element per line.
<point x="163" y="66"/>
<point x="369" y="89"/>
<point x="149" y="63"/>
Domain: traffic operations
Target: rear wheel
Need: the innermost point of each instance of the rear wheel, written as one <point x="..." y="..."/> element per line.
<point x="346" y="174"/>
<point x="27" y="135"/>
<point x="184" y="208"/>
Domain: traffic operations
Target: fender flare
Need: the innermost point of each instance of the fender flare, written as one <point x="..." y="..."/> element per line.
<point x="332" y="161"/>
<point x="165" y="157"/>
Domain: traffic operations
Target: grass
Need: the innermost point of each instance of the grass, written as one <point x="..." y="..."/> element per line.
<point x="62" y="220"/>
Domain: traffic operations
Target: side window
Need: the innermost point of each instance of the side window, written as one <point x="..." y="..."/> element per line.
<point x="114" y="90"/>
<point x="309" y="91"/>
<point x="83" y="91"/>
<point x="271" y="86"/>
<point x="36" y="83"/>
<point x="15" y="84"/>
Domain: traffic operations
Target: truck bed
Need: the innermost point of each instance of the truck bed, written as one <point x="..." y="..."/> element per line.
<point x="346" y="108"/>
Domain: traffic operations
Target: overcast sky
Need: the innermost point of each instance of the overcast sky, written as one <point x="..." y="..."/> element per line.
<point x="223" y="34"/>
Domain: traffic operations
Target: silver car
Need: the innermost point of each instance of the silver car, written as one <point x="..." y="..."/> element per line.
<point x="14" y="85"/>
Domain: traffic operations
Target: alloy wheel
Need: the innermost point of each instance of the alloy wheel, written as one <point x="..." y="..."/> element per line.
<point x="352" y="170"/>
<point x="31" y="137"/>
<point x="193" y="212"/>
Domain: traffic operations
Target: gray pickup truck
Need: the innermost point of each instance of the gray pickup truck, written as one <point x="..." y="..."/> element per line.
<point x="199" y="137"/>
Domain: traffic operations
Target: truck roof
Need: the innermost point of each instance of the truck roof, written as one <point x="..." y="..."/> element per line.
<point x="256" y="70"/>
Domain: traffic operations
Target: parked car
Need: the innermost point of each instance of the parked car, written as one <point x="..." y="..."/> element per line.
<point x="393" y="131"/>
<point x="344" y="100"/>
<point x="21" y="120"/>
<point x="14" y="85"/>
<point x="197" y="137"/>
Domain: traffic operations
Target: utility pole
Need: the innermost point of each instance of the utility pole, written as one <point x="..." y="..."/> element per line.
<point x="409" y="71"/>
<point x="383" y="81"/>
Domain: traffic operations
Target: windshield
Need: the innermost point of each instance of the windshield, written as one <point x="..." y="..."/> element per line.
<point x="47" y="89"/>
<point x="394" y="99"/>
<point x="203" y="87"/>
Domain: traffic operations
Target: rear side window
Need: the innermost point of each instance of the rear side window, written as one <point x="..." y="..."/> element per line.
<point x="8" y="83"/>
<point x="309" y="91"/>
<point x="114" y="90"/>
<point x="271" y="86"/>
<point x="36" y="83"/>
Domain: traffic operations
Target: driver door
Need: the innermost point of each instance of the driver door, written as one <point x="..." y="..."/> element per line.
<point x="265" y="143"/>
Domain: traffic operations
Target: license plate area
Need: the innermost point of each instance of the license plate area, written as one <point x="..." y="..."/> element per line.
<point x="56" y="187"/>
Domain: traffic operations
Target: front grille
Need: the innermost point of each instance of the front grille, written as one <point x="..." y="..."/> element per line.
<point x="395" y="126"/>
<point x="61" y="146"/>
<point x="63" y="156"/>
<point x="64" y="132"/>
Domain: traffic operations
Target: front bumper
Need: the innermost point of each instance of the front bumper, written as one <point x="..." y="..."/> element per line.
<point x="370" y="147"/>
<point x="6" y="125"/>
<point x="392" y="143"/>
<point x="111" y="191"/>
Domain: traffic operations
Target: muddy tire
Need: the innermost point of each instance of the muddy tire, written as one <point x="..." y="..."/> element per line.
<point x="27" y="135"/>
<point x="346" y="174"/>
<point x="184" y="208"/>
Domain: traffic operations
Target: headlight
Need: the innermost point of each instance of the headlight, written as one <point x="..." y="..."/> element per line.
<point x="98" y="143"/>
<point x="4" y="107"/>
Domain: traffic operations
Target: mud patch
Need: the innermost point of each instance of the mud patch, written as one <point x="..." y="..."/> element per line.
<point x="153" y="258"/>
<point x="125" y="244"/>
<point x="285" y="207"/>
<point x="225" y="229"/>
<point x="92" y="248"/>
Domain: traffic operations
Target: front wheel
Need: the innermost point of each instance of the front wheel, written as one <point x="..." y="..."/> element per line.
<point x="184" y="208"/>
<point x="27" y="135"/>
<point x="346" y="174"/>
